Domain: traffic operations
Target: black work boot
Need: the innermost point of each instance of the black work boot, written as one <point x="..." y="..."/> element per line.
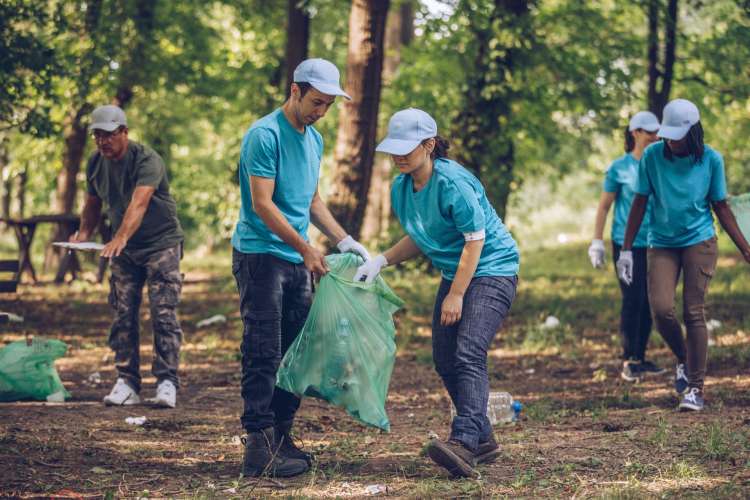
<point x="262" y="457"/>
<point x="487" y="451"/>
<point x="288" y="447"/>
<point x="454" y="456"/>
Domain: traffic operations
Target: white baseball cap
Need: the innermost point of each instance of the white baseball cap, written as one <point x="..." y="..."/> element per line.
<point x="322" y="75"/>
<point x="645" y="120"/>
<point x="406" y="130"/>
<point x="679" y="116"/>
<point x="108" y="117"/>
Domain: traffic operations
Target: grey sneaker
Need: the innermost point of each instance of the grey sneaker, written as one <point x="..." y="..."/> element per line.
<point x="680" y="379"/>
<point x="692" y="400"/>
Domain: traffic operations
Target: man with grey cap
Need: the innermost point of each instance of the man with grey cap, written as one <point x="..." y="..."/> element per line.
<point x="131" y="180"/>
<point x="273" y="260"/>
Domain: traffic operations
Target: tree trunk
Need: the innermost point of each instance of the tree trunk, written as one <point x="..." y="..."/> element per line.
<point x="660" y="78"/>
<point x="400" y="30"/>
<point x="297" y="39"/>
<point x="135" y="69"/>
<point x="5" y="177"/>
<point x="482" y="129"/>
<point x="355" y="142"/>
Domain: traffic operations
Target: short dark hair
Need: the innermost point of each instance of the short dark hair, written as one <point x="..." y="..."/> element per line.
<point x="629" y="140"/>
<point x="694" y="143"/>
<point x="441" y="147"/>
<point x="303" y="87"/>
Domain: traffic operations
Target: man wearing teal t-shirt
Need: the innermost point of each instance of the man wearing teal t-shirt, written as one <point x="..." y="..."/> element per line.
<point x="273" y="260"/>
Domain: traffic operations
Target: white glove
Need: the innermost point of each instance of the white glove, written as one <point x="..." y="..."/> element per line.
<point x="625" y="267"/>
<point x="596" y="253"/>
<point x="370" y="269"/>
<point x="349" y="244"/>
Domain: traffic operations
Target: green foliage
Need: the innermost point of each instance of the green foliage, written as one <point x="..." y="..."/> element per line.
<point x="27" y="66"/>
<point x="548" y="96"/>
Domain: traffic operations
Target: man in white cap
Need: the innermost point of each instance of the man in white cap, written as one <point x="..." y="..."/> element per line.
<point x="273" y="259"/>
<point x="131" y="180"/>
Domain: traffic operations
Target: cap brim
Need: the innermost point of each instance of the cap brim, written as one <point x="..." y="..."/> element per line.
<point x="107" y="126"/>
<point x="329" y="89"/>
<point x="673" y="133"/>
<point x="397" y="146"/>
<point x="651" y="128"/>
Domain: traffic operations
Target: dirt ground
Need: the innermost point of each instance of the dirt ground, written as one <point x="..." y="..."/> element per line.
<point x="583" y="433"/>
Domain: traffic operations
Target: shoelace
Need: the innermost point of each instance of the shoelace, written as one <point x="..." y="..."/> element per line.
<point x="681" y="372"/>
<point x="692" y="396"/>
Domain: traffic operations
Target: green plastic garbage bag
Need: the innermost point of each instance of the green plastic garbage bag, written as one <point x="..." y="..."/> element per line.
<point x="345" y="352"/>
<point x="741" y="208"/>
<point x="28" y="371"/>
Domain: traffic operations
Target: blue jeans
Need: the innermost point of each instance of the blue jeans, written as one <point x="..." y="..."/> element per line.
<point x="460" y="352"/>
<point x="275" y="298"/>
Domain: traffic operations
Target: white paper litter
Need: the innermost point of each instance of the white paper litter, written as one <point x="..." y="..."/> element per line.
<point x="374" y="489"/>
<point x="86" y="246"/>
<point x="551" y="322"/>
<point x="135" y="420"/>
<point x="213" y="320"/>
<point x="14" y="318"/>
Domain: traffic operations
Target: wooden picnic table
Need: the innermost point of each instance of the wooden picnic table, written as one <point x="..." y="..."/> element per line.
<point x="25" y="230"/>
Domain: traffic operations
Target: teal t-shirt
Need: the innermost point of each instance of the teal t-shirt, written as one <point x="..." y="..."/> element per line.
<point x="621" y="179"/>
<point x="272" y="148"/>
<point x="682" y="190"/>
<point x="452" y="203"/>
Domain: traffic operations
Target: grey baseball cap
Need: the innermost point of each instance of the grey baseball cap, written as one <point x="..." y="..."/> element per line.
<point x="406" y="130"/>
<point x="322" y="75"/>
<point x="108" y="117"/>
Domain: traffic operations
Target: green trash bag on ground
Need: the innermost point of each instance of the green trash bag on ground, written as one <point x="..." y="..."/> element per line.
<point x="741" y="208"/>
<point x="346" y="350"/>
<point x="28" y="371"/>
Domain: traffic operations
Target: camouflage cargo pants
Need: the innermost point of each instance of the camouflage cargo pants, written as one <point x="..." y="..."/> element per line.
<point x="161" y="271"/>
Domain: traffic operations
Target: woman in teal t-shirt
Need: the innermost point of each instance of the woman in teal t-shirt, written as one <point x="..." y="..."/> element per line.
<point x="619" y="188"/>
<point x="446" y="215"/>
<point x="685" y="178"/>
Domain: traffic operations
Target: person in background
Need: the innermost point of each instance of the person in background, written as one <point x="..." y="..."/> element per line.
<point x="685" y="178"/>
<point x="447" y="217"/>
<point x="273" y="261"/>
<point x="131" y="180"/>
<point x="619" y="185"/>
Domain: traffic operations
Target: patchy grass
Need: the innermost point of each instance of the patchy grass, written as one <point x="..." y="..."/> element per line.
<point x="583" y="432"/>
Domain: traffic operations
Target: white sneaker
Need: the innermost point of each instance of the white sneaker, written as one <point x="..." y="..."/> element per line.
<point x="166" y="395"/>
<point x="122" y="395"/>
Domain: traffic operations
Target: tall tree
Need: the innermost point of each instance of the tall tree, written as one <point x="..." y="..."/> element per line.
<point x="482" y="130"/>
<point x="399" y="33"/>
<point x="355" y="143"/>
<point x="661" y="71"/>
<point x="297" y="39"/>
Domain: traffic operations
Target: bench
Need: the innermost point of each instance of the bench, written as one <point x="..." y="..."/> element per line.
<point x="8" y="281"/>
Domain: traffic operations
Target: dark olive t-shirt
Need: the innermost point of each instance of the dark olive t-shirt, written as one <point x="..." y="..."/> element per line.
<point x="114" y="181"/>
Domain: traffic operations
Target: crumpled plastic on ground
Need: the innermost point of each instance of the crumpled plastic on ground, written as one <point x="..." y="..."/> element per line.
<point x="27" y="370"/>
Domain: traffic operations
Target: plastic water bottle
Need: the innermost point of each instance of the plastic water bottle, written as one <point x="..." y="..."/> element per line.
<point x="501" y="408"/>
<point x="339" y="359"/>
